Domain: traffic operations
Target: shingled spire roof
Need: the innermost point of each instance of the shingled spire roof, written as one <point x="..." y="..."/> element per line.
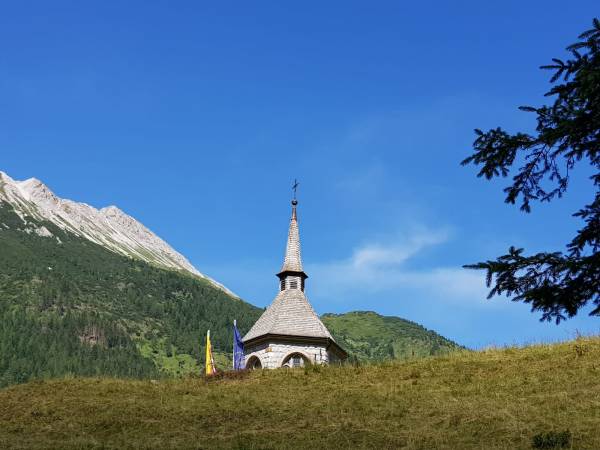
<point x="290" y="314"/>
<point x="293" y="258"/>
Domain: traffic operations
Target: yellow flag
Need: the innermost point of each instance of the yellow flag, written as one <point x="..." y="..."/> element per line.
<point x="210" y="362"/>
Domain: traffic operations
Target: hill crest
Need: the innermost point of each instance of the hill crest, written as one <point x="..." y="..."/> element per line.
<point x="491" y="399"/>
<point x="109" y="227"/>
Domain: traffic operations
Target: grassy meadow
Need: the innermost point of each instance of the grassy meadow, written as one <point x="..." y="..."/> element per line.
<point x="492" y="399"/>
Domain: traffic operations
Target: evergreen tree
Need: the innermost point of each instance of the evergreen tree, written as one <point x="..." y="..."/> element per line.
<point x="95" y="310"/>
<point x="557" y="284"/>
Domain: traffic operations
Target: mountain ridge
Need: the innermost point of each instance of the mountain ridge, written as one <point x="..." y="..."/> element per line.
<point x="109" y="226"/>
<point x="72" y="306"/>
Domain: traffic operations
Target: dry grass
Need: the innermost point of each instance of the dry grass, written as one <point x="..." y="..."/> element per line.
<point x="494" y="399"/>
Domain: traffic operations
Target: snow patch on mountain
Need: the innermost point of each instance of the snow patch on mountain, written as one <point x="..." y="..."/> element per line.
<point x="40" y="231"/>
<point x="109" y="227"/>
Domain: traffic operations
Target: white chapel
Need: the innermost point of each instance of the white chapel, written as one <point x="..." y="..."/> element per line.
<point x="289" y="333"/>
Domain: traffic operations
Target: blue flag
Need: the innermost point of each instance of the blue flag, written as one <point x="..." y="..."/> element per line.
<point x="238" y="349"/>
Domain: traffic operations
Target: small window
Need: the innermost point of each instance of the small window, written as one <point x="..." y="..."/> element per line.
<point x="294" y="284"/>
<point x="295" y="360"/>
<point x="282" y="285"/>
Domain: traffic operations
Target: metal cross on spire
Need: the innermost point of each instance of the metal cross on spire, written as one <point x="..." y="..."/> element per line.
<point x="295" y="187"/>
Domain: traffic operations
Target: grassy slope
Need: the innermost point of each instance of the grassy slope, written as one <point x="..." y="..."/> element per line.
<point x="369" y="336"/>
<point x="495" y="399"/>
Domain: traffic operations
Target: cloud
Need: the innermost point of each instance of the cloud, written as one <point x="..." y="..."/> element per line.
<point x="384" y="266"/>
<point x="386" y="254"/>
<point x="452" y="283"/>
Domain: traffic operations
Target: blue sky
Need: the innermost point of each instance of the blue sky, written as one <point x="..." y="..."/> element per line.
<point x="195" y="118"/>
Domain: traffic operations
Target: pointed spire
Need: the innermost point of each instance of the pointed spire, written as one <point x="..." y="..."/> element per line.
<point x="293" y="258"/>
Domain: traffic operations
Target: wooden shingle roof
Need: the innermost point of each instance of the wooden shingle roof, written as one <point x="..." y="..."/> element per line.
<point x="290" y="314"/>
<point x="293" y="258"/>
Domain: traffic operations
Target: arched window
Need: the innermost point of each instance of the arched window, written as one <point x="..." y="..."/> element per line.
<point x="295" y="360"/>
<point x="253" y="363"/>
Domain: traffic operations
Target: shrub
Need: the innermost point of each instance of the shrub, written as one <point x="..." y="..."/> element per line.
<point x="552" y="439"/>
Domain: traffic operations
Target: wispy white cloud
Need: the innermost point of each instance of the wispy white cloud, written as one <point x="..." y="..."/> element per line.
<point x="384" y="265"/>
<point x="385" y="254"/>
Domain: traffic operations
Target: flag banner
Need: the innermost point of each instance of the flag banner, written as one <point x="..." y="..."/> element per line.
<point x="210" y="362"/>
<point x="238" y="349"/>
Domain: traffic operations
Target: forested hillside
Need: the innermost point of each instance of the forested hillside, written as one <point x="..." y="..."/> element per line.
<point x="368" y="336"/>
<point x="69" y="306"/>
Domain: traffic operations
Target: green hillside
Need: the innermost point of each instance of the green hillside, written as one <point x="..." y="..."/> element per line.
<point x="369" y="336"/>
<point x="75" y="308"/>
<point x="71" y="307"/>
<point x="515" y="398"/>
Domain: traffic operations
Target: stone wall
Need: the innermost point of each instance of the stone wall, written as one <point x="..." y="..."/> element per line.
<point x="273" y="354"/>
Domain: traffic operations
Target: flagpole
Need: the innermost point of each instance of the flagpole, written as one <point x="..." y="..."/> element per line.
<point x="233" y="361"/>
<point x="207" y="362"/>
<point x="210" y="362"/>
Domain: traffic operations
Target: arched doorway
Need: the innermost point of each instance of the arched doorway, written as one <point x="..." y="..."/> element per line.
<point x="295" y="359"/>
<point x="253" y="363"/>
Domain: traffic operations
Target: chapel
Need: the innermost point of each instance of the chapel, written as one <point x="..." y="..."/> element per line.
<point x="289" y="333"/>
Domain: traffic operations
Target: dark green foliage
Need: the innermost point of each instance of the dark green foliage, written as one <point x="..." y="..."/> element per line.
<point x="368" y="336"/>
<point x="52" y="345"/>
<point x="76" y="308"/>
<point x="568" y="131"/>
<point x="71" y="307"/>
<point x="552" y="439"/>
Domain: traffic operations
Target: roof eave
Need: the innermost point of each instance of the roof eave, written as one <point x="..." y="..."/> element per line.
<point x="328" y="342"/>
<point x="287" y="272"/>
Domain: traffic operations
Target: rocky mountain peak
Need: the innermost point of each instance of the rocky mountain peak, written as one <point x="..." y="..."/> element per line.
<point x="109" y="227"/>
<point x="34" y="189"/>
<point x="117" y="215"/>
